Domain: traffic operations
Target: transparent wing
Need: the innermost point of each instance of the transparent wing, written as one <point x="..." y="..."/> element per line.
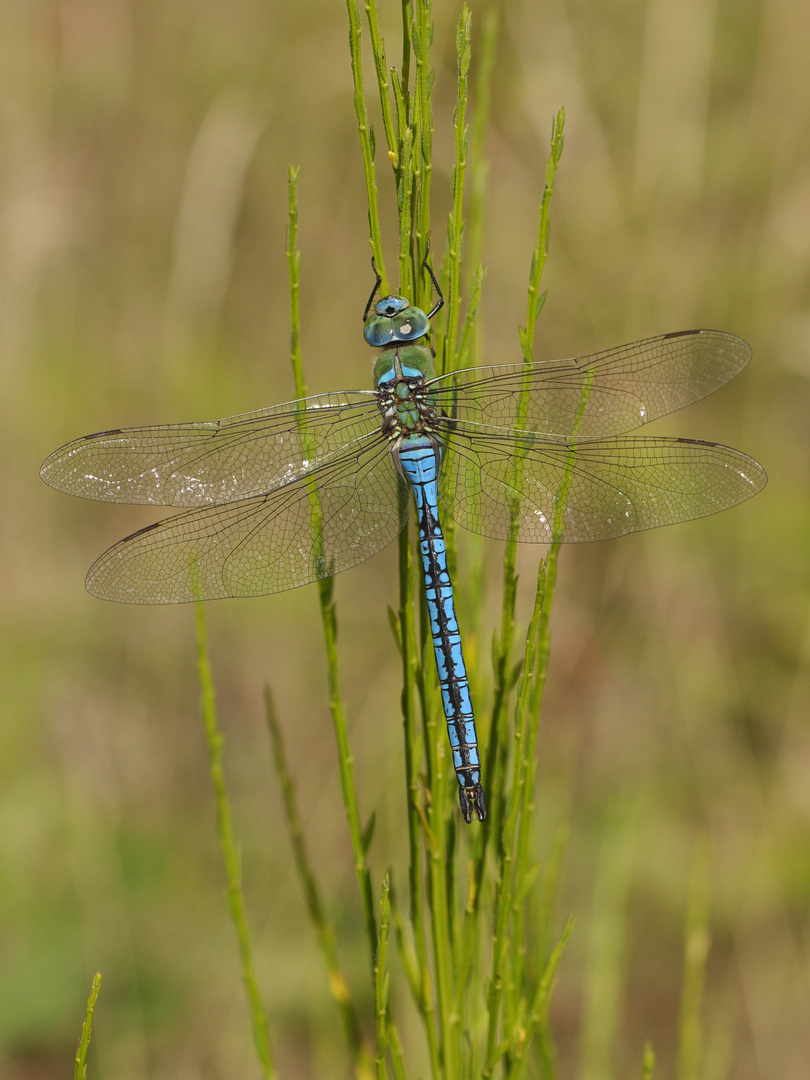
<point x="588" y="489"/>
<point x="216" y="462"/>
<point x="606" y="393"/>
<point x="265" y="543"/>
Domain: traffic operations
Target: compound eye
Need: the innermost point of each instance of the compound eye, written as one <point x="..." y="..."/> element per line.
<point x="411" y="324"/>
<point x="391" y="305"/>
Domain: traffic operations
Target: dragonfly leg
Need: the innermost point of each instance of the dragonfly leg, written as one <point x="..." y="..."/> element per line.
<point x="440" y="302"/>
<point x="374" y="290"/>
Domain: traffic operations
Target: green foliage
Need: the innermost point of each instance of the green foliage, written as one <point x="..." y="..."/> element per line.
<point x="680" y="674"/>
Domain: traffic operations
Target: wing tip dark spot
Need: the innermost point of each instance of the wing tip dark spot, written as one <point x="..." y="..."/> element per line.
<point x="729" y="337"/>
<point x="683" y="333"/>
<point x="144" y="530"/>
<point x="695" y="442"/>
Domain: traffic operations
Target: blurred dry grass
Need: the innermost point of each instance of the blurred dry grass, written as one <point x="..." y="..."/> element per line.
<point x="143" y="173"/>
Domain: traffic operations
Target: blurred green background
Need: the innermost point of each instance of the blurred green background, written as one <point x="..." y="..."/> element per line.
<point x="143" y="171"/>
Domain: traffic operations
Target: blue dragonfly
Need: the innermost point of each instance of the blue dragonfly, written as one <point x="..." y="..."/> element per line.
<point x="291" y="494"/>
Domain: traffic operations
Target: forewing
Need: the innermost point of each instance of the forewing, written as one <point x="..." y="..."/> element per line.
<point x="216" y="462"/>
<point x="310" y="528"/>
<point x="588" y="489"/>
<point x="606" y="393"/>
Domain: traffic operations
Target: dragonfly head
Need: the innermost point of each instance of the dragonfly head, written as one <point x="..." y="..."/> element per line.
<point x="395" y="319"/>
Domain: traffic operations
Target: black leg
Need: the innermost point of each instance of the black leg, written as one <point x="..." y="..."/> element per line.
<point x="426" y="264"/>
<point x="374" y="290"/>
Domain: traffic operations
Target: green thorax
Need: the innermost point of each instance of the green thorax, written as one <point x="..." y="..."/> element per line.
<point x="415" y="361"/>
<point x="400" y="374"/>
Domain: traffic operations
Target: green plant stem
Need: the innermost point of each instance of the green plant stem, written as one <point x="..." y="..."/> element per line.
<point x="366" y="137"/>
<point x="230" y="853"/>
<point x="449" y="1019"/>
<point x="477" y="162"/>
<point x="506" y="878"/>
<point x="503" y="643"/>
<point x="538" y="1009"/>
<point x="328" y="615"/>
<point x="535" y="667"/>
<point x="294" y="277"/>
<point x="407" y="16"/>
<point x="455" y="224"/>
<point x="520" y="813"/>
<point x="507" y="978"/>
<point x="381" y="980"/>
<point x="381" y="69"/>
<point x="80" y="1072"/>
<point x="405" y="204"/>
<point x="548" y="891"/>
<point x="535" y="300"/>
<point x="346" y="765"/>
<point x="423" y="120"/>
<point x="324" y="930"/>
<point x="397" y="1054"/>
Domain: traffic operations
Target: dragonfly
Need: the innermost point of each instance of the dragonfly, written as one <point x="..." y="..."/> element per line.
<point x="529" y="452"/>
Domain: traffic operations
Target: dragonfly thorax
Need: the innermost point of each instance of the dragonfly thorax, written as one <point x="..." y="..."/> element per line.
<point x="406" y="407"/>
<point x="395" y="361"/>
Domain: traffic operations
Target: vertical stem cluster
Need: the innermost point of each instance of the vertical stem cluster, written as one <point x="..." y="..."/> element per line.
<point x="443" y="957"/>
<point x="479" y="972"/>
